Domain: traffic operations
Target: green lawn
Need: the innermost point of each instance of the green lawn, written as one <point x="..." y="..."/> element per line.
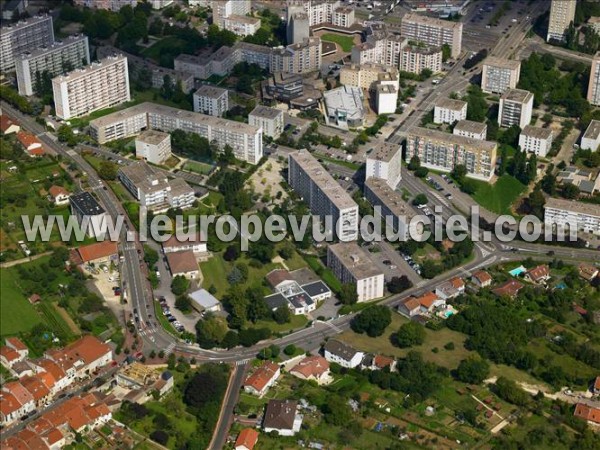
<point x="339" y="162"/>
<point x="197" y="167"/>
<point x="295" y="323"/>
<point x="499" y="197"/>
<point x="326" y="274"/>
<point x="167" y="43"/>
<point x="17" y="314"/>
<point x="346" y="42"/>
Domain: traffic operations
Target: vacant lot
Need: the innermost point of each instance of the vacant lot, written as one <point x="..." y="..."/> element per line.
<point x="198" y="167"/>
<point x="16" y="313"/>
<point x="499" y="197"/>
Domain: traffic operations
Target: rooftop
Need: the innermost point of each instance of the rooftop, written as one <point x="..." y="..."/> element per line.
<point x="384" y="151"/>
<point x="97" y="250"/>
<point x="204" y="299"/>
<point x="144" y="177"/>
<point x="175" y="241"/>
<point x="386" y="88"/>
<point x="340" y="349"/>
<point x="152" y="137"/>
<point x="323" y="179"/>
<point x="431" y="21"/>
<point x="86" y="204"/>
<point x="537" y="132"/>
<point x="56" y="46"/>
<point x="593" y="130"/>
<point x="502" y="62"/>
<point x="422" y="49"/>
<point x="94" y="67"/>
<point x="517" y="95"/>
<point x="266" y="112"/>
<point x="451" y="104"/>
<point x="346" y="98"/>
<point x="243" y="19"/>
<point x="206" y="90"/>
<point x="448" y="138"/>
<point x="469" y="126"/>
<point x="262" y="376"/>
<point x="390" y="198"/>
<point x="573" y="206"/>
<point x="355" y="259"/>
<point x="182" y="262"/>
<point x="280" y="414"/>
<point x="9" y="28"/>
<point x="311" y="366"/>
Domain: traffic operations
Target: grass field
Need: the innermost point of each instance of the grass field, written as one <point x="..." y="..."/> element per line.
<point x="295" y="322"/>
<point x="346" y="42"/>
<point x="326" y="274"/>
<point x="197" y="167"/>
<point x="16" y="313"/>
<point x="499" y="197"/>
<point x="167" y="43"/>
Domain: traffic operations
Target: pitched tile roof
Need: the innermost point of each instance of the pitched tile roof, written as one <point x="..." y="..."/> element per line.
<point x="311" y="366"/>
<point x="51" y="368"/>
<point x="174" y="241"/>
<point x="55" y="191"/>
<point x="8" y="403"/>
<point x="539" y="272"/>
<point x="411" y="304"/>
<point x="277" y="276"/>
<point x="382" y="362"/>
<point x="9" y="354"/>
<point x="247" y="438"/>
<point x="16" y="343"/>
<point x="22" y="395"/>
<point x="482" y="276"/>
<point x="457" y="283"/>
<point x="262" y="376"/>
<point x="6" y="122"/>
<point x="510" y="288"/>
<point x="27" y="139"/>
<point x="182" y="262"/>
<point x="88" y="348"/>
<point x="587" y="271"/>
<point x="587" y="412"/>
<point x="426" y="300"/>
<point x="36" y="388"/>
<point x="280" y="414"/>
<point x="97" y="250"/>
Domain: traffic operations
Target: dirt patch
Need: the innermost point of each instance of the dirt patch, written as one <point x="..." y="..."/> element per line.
<point x="266" y="182"/>
<point x="67" y="318"/>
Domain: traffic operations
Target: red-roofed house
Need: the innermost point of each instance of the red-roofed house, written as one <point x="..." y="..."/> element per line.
<point x="312" y="368"/>
<point x="30" y="143"/>
<point x="509" y="289"/>
<point x="11" y="409"/>
<point x="381" y="362"/>
<point x="429" y="301"/>
<point x="538" y="274"/>
<point x="586" y="412"/>
<point x="52" y="369"/>
<point x="247" y="439"/>
<point x="38" y="390"/>
<point x="9" y="356"/>
<point x="82" y="357"/>
<point x="410" y="306"/>
<point x="588" y="272"/>
<point x="99" y="252"/>
<point x="8" y="126"/>
<point x="18" y="345"/>
<point x="55" y="439"/>
<point x="184" y="264"/>
<point x="278" y="277"/>
<point x="482" y="279"/>
<point x="195" y="244"/>
<point x="596" y="386"/>
<point x="60" y="196"/>
<point x="34" y="298"/>
<point x="262" y="379"/>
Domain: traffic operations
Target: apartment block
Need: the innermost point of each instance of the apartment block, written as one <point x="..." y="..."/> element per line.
<point x="516" y="107"/>
<point x="101" y="85"/>
<point x="323" y="195"/>
<point x="244" y="139"/>
<point x="271" y="120"/>
<point x="417" y="58"/>
<point x="153" y="146"/>
<point x="222" y="9"/>
<point x="380" y="47"/>
<point x="562" y="13"/>
<point x="395" y="212"/>
<point x="448" y="110"/>
<point x="499" y="75"/>
<point x="303" y="57"/>
<point x="111" y="5"/>
<point x="343" y="17"/>
<point x="386" y="98"/>
<point x="23" y="36"/>
<point x="443" y="151"/>
<point x="366" y="75"/>
<point x="352" y="264"/>
<point x="567" y="214"/>
<point x="298" y="27"/>
<point x="591" y="138"/>
<point x="60" y="57"/>
<point x="322" y="11"/>
<point x="154" y="190"/>
<point x="535" y="140"/>
<point x="242" y="25"/>
<point x="385" y="162"/>
<point x="593" y="94"/>
<point x="211" y="100"/>
<point x="470" y="129"/>
<point x="89" y="214"/>
<point x="433" y="31"/>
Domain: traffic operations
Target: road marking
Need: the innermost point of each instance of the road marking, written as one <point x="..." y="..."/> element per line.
<point x="242" y="362"/>
<point x="170" y="348"/>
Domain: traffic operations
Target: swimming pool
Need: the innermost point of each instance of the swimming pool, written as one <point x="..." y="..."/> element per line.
<point x="448" y="314"/>
<point x="517" y="271"/>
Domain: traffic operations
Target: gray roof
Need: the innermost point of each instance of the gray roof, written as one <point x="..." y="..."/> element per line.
<point x="86" y="204"/>
<point x="204" y="298"/>
<point x="537" y="132"/>
<point x="384" y="151"/>
<point x="266" y="112"/>
<point x="94" y="67"/>
<point x="390" y="198"/>
<point x="315" y="288"/>
<point x="502" y="62"/>
<point x="573" y="206"/>
<point x="300" y="300"/>
<point x="593" y="130"/>
<point x="517" y="95"/>
<point x="340" y="349"/>
<point x="451" y="104"/>
<point x="346" y="98"/>
<point x="274" y="301"/>
<point x="152" y="137"/>
<point x="447" y="138"/>
<point x="206" y="90"/>
<point x="469" y="126"/>
<point x="355" y="259"/>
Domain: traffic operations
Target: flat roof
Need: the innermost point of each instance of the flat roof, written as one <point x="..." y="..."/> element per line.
<point x="86" y="203"/>
<point x="386" y="88"/>
<point x="204" y="298"/>
<point x="152" y="137"/>
<point x="346" y="98"/>
<point x="206" y="90"/>
<point x="573" y="206"/>
<point x="384" y="151"/>
<point x="180" y="187"/>
<point x="94" y="67"/>
<point x="451" y="138"/>
<point x="355" y="259"/>
<point x="56" y="46"/>
<point x="243" y="19"/>
<point x="266" y="112"/>
<point x="431" y="21"/>
<point x="593" y="130"/>
<point x="450" y="103"/>
<point x="9" y="28"/>
<point x="323" y="179"/>
<point x="421" y="48"/>
<point x="471" y="126"/>
<point x="390" y="198"/>
<point x="537" y="132"/>
<point x="502" y="62"/>
<point x="517" y="95"/>
<point x="144" y="177"/>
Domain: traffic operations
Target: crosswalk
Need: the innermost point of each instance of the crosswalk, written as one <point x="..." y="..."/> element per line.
<point x="333" y="327"/>
<point x="147" y="331"/>
<point x="242" y="362"/>
<point x="170" y="348"/>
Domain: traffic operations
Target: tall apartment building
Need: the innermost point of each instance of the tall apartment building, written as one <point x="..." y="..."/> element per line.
<point x="365" y="75"/>
<point x="271" y="120"/>
<point x="242" y="25"/>
<point x="244" y="139"/>
<point x="572" y="214"/>
<point x="352" y="264"/>
<point x="396" y="213"/>
<point x="562" y="13"/>
<point x="516" y="107"/>
<point x="386" y="98"/>
<point x="470" y="129"/>
<point x="153" y="146"/>
<point x="448" y="110"/>
<point x="433" y="31"/>
<point x="536" y="140"/>
<point x="385" y="162"/>
<point x="443" y="151"/>
<point x="111" y="5"/>
<point x="591" y="138"/>
<point x="297" y="58"/>
<point x="323" y="195"/>
<point x="101" y="85"/>
<point x="499" y="75"/>
<point x="211" y="100"/>
<point x="416" y="58"/>
<point x="380" y="47"/>
<point x="154" y="190"/>
<point x="62" y="56"/>
<point x="321" y="11"/>
<point x="89" y="214"/>
<point x="223" y="9"/>
<point x="593" y="94"/>
<point x="298" y="27"/>
<point x="343" y="17"/>
<point x="23" y="36"/>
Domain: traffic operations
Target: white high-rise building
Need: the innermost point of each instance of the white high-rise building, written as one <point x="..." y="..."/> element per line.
<point x="385" y="162"/>
<point x="23" y="36"/>
<point x="223" y="9"/>
<point x="572" y="214"/>
<point x="536" y="140"/>
<point x="211" y="100"/>
<point x="448" y="110"/>
<point x="416" y="58"/>
<point x="62" y="56"/>
<point x="593" y="94"/>
<point x="323" y="195"/>
<point x="499" y="75"/>
<point x="271" y="120"/>
<point x="153" y="146"/>
<point x="101" y="85"/>
<point x="562" y="13"/>
<point x="433" y="31"/>
<point x="516" y="107"/>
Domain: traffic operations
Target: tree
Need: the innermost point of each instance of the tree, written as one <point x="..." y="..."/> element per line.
<point x="421" y="172"/>
<point x="472" y="370"/>
<point x="570" y="191"/>
<point x="231" y="253"/>
<point x="459" y="173"/>
<point x="65" y="134"/>
<point x="206" y="387"/>
<point x="336" y="410"/>
<point x="414" y="163"/>
<point x="211" y="331"/>
<point x="282" y="315"/>
<point x="179" y="285"/>
<point x="289" y="349"/>
<point x="536" y="202"/>
<point x="409" y="334"/>
<point x="159" y="436"/>
<point x="373" y="321"/>
<point x="399" y="284"/>
<point x="348" y="294"/>
<point x="446" y="52"/>
<point x="420" y="199"/>
<point x="183" y="303"/>
<point x="108" y="170"/>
